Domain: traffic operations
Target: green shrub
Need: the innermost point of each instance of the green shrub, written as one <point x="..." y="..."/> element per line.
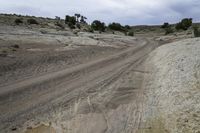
<point x="165" y="25"/>
<point x="32" y="21"/>
<point x="98" y="25"/>
<point x="15" y="46"/>
<point x="196" y="31"/>
<point x="90" y="30"/>
<point x="18" y="21"/>
<point x="78" y="26"/>
<point x="184" y="24"/>
<point x="71" y="26"/>
<point x="60" y="25"/>
<point x="77" y="16"/>
<point x="168" y="30"/>
<point x="116" y="26"/>
<point x="70" y="21"/>
<point x="178" y="26"/>
<point x="127" y="27"/>
<point x="82" y="20"/>
<point x="131" y="33"/>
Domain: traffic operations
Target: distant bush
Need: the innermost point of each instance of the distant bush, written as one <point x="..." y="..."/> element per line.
<point x="60" y="25"/>
<point x="165" y="25"/>
<point x="18" y="21"/>
<point x="127" y="27"/>
<point x="90" y="30"/>
<point x="116" y="26"/>
<point x="82" y="20"/>
<point x="78" y="26"/>
<point x="32" y="21"/>
<point x="57" y="18"/>
<point x="178" y="26"/>
<point x="184" y="24"/>
<point x="196" y="31"/>
<point x="15" y="46"/>
<point x="131" y="33"/>
<point x="71" y="26"/>
<point x="98" y="25"/>
<point x="169" y="30"/>
<point x="70" y="21"/>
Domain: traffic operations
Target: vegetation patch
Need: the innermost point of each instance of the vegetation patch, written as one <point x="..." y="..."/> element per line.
<point x="15" y="46"/>
<point x="18" y="21"/>
<point x="169" y="30"/>
<point x="116" y="26"/>
<point x="60" y="25"/>
<point x="184" y="24"/>
<point x="32" y="21"/>
<point x="131" y="33"/>
<point x="196" y="31"/>
<point x="98" y="26"/>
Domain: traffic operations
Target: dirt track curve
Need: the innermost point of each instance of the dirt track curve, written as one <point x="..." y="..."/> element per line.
<point x="100" y="96"/>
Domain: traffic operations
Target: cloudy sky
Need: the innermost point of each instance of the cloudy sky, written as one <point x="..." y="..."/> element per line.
<point x="133" y="12"/>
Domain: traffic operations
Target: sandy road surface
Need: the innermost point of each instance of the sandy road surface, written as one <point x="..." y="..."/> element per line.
<point x="97" y="96"/>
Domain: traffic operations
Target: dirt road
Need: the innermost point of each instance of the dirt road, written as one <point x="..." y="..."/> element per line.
<point x="104" y="95"/>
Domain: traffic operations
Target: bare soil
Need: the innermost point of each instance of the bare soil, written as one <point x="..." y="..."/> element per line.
<point x="57" y="81"/>
<point x="66" y="80"/>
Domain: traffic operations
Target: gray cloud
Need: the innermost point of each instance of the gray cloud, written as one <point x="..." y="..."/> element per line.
<point x="124" y="11"/>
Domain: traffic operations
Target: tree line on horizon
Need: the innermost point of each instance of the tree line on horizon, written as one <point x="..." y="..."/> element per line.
<point x="184" y="25"/>
<point x="96" y="25"/>
<point x="77" y="20"/>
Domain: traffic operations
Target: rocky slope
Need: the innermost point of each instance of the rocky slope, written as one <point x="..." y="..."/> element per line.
<point x="172" y="89"/>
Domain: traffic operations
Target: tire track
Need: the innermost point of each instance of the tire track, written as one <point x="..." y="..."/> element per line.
<point x="61" y="88"/>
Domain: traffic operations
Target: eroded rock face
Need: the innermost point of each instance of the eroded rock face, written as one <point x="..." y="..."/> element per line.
<point x="172" y="91"/>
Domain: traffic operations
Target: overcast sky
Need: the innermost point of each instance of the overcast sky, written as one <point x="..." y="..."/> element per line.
<point x="132" y="12"/>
